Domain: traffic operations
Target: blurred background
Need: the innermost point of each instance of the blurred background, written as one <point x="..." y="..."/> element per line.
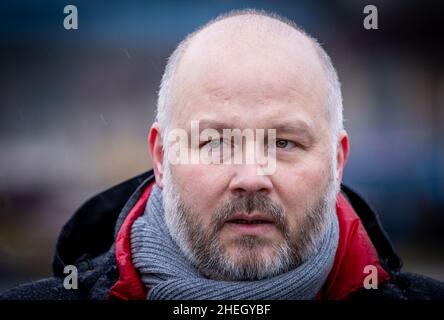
<point x="75" y="108"/>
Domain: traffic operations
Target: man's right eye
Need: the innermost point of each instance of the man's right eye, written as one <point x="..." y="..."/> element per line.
<point x="285" y="144"/>
<point x="213" y="144"/>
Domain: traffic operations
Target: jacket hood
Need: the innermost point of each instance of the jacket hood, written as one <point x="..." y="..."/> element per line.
<point x="91" y="230"/>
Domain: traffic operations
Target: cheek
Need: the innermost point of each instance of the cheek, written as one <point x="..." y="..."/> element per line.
<point x="201" y="186"/>
<point x="300" y="185"/>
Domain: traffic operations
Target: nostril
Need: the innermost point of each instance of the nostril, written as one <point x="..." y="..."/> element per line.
<point x="240" y="192"/>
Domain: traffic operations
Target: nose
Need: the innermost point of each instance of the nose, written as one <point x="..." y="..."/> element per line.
<point x="247" y="180"/>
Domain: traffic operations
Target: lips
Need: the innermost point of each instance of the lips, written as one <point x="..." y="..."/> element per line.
<point x="240" y="221"/>
<point x="253" y="218"/>
<point x="251" y="224"/>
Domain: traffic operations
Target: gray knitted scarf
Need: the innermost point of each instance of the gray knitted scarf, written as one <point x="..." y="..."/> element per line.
<point x="168" y="274"/>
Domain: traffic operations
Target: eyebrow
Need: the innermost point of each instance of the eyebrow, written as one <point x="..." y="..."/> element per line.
<point x="214" y="124"/>
<point x="292" y="126"/>
<point x="295" y="127"/>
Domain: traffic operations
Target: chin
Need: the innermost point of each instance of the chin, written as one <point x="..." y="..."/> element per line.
<point x="242" y="255"/>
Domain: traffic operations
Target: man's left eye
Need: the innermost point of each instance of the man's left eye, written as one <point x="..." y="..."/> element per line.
<point x="285" y="144"/>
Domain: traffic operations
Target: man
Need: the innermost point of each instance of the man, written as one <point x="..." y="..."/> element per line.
<point x="203" y="226"/>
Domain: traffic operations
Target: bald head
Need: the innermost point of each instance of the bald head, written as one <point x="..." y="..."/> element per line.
<point x="249" y="57"/>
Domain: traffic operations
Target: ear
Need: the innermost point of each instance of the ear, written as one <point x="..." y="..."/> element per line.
<point x="342" y="154"/>
<point x="155" y="145"/>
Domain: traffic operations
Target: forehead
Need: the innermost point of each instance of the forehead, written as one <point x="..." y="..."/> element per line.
<point x="248" y="75"/>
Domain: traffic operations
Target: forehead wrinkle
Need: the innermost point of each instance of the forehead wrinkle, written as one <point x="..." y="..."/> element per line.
<point x="225" y="84"/>
<point x="219" y="91"/>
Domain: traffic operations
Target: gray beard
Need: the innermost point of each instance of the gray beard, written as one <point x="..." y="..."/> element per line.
<point x="203" y="248"/>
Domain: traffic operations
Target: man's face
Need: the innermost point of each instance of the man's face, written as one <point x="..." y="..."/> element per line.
<point x="231" y="222"/>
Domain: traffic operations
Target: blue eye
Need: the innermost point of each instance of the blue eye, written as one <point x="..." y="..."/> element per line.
<point x="215" y="144"/>
<point x="284" y="144"/>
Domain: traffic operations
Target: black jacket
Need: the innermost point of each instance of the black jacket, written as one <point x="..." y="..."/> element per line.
<point x="88" y="242"/>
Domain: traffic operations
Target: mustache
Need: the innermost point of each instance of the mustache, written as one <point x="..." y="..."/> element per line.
<point x="249" y="203"/>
